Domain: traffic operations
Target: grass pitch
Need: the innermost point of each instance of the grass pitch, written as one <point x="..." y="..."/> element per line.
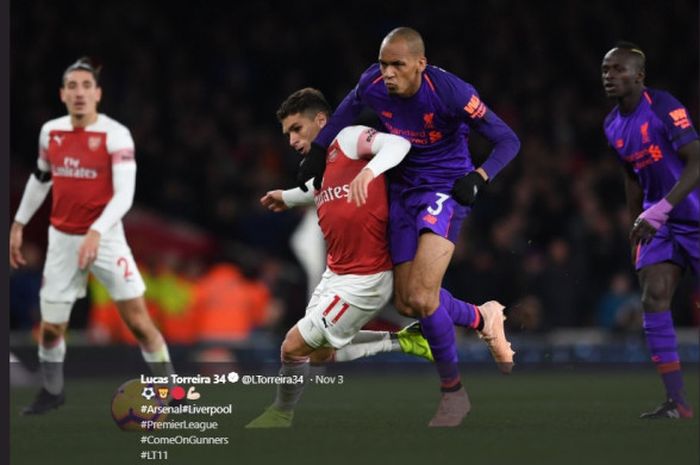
<point x="564" y="417"/>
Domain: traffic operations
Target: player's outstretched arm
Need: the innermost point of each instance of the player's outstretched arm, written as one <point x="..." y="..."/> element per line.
<point x="272" y="200"/>
<point x="278" y="200"/>
<point x="651" y="219"/>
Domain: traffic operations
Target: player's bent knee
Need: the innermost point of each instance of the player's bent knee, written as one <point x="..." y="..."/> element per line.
<point x="656" y="295"/>
<point x="294" y="346"/>
<point x="402" y="308"/>
<point x="321" y="356"/>
<point x="51" y="332"/>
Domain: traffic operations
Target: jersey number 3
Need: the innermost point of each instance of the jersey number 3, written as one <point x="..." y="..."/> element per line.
<point x="438" y="204"/>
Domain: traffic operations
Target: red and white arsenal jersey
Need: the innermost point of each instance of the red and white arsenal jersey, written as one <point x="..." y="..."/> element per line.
<point x="356" y="237"/>
<point x="80" y="160"/>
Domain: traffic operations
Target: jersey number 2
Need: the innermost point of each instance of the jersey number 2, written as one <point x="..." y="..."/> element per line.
<point x="127" y="271"/>
<point x="438" y="204"/>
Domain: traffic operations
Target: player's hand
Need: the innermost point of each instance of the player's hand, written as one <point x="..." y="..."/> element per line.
<point x="312" y="166"/>
<point x="273" y="201"/>
<point x="16" y="237"/>
<point x="642" y="231"/>
<point x="651" y="219"/>
<point x="359" y="187"/>
<point x="467" y="187"/>
<point x="87" y="254"/>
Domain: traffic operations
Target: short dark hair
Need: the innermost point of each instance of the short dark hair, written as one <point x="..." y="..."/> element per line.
<point x="633" y="50"/>
<point x="84" y="64"/>
<point x="307" y="100"/>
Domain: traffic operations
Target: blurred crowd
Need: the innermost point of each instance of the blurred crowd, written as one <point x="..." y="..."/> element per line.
<point x="198" y="87"/>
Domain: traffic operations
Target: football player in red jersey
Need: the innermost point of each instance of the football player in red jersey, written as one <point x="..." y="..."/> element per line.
<point x="87" y="160"/>
<point x="358" y="282"/>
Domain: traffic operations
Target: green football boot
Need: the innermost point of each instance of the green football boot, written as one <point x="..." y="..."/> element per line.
<point x="412" y="341"/>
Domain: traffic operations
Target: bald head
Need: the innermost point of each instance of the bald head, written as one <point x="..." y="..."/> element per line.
<point x="411" y="37"/>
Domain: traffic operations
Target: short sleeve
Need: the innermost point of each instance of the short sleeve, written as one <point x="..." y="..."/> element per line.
<point x="675" y="119"/>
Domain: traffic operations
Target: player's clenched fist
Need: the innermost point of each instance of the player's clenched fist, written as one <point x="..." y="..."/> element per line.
<point x="273" y="201"/>
<point x="359" y="187"/>
<point x="467" y="187"/>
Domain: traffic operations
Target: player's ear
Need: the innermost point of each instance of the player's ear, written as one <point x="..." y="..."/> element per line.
<point x="98" y="94"/>
<point x="422" y="63"/>
<point x="321" y="119"/>
<point x="640" y="76"/>
<point x="61" y="93"/>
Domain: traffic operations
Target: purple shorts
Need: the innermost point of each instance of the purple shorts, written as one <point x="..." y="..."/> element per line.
<point x="673" y="242"/>
<point x="414" y="211"/>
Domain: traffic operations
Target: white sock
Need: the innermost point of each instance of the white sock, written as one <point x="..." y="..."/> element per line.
<point x="159" y="360"/>
<point x="288" y="395"/>
<point x="51" y="366"/>
<point x="354" y="351"/>
<point x="370" y="336"/>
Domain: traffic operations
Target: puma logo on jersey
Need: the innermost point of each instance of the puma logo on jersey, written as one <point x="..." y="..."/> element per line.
<point x="57" y="139"/>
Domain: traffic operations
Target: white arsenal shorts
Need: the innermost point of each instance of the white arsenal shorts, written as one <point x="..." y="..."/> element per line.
<point x="341" y="305"/>
<point x="64" y="282"/>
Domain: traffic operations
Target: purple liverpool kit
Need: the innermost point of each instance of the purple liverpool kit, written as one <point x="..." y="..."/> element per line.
<point x="648" y="139"/>
<point x="437" y="120"/>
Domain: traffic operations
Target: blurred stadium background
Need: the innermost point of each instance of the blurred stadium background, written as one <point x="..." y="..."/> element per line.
<point x="198" y="86"/>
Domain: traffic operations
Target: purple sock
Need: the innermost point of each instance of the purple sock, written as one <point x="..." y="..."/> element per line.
<point x="661" y="339"/>
<point x="462" y="313"/>
<point x="438" y="329"/>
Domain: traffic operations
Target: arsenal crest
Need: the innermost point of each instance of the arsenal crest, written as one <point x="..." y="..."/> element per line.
<point x="94" y="142"/>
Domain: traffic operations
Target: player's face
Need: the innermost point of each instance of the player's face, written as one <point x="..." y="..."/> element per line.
<point x="401" y="69"/>
<point x="621" y="74"/>
<point x="302" y="129"/>
<point x="81" y="94"/>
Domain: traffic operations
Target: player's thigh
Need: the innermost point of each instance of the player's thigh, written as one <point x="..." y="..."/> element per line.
<point x="294" y="345"/>
<point x="430" y="264"/>
<point x="63" y="282"/>
<point x="318" y="291"/>
<point x="348" y="303"/>
<point x="688" y="241"/>
<point x="116" y="268"/>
